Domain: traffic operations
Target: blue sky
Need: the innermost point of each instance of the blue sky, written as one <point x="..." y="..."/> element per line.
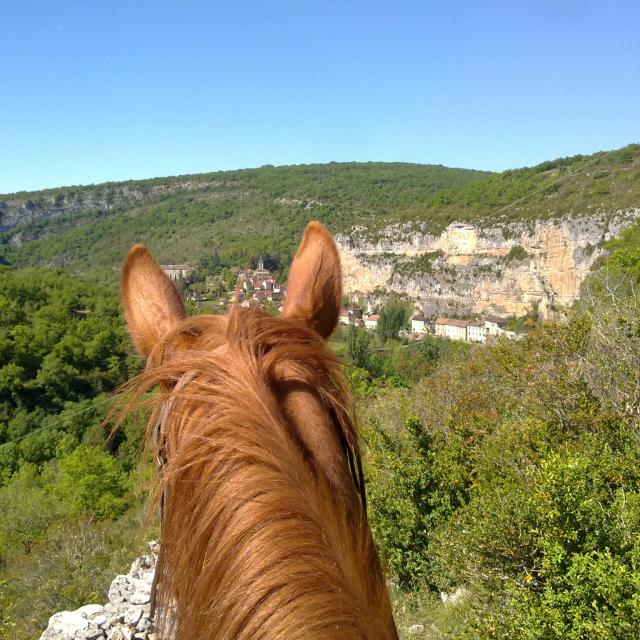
<point x="111" y="90"/>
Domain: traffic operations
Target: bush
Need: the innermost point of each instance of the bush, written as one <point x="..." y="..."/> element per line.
<point x="516" y="253"/>
<point x="92" y="482"/>
<point x="513" y="472"/>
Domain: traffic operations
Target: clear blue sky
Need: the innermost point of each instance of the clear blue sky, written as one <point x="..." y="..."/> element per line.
<point x="98" y="90"/>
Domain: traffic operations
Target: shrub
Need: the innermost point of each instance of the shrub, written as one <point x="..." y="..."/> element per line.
<point x="92" y="482"/>
<point x="516" y="253"/>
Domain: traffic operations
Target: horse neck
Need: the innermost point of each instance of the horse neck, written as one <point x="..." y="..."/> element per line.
<point x="259" y="539"/>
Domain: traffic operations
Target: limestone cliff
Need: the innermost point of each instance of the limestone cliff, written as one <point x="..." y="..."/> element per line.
<point x="502" y="270"/>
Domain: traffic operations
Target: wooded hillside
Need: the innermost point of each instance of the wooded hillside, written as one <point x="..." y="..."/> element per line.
<point x="242" y="214"/>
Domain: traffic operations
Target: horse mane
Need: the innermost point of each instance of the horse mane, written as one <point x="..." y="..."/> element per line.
<point x="261" y="537"/>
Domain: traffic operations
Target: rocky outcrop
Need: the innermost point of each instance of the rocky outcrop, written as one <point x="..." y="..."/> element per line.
<point x="126" y="616"/>
<point x="18" y="210"/>
<point x="503" y="270"/>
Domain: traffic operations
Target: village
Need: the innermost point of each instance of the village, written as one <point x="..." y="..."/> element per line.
<point x="257" y="288"/>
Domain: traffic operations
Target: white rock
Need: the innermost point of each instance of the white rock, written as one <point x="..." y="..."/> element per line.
<point x="140" y="597"/>
<point x="127" y="615"/>
<point x="64" y="625"/>
<point x="90" y="610"/>
<point x="144" y="624"/>
<point x="132" y="615"/>
<point x="92" y="632"/>
<point x="100" y="620"/>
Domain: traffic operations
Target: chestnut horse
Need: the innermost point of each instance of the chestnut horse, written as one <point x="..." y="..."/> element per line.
<point x="264" y="530"/>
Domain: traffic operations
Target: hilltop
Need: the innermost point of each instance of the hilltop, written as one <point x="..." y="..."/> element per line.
<point x="242" y="214"/>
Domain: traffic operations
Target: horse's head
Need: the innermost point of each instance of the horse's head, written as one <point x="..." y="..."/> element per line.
<point x="264" y="533"/>
<point x="290" y="352"/>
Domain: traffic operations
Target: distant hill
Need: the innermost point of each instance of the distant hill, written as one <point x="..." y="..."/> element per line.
<point x="241" y="214"/>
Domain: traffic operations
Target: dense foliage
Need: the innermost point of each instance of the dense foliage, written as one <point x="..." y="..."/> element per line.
<point x="62" y="343"/>
<point x="510" y="477"/>
<point x="63" y="351"/>
<point x="394" y="316"/>
<point x="506" y="476"/>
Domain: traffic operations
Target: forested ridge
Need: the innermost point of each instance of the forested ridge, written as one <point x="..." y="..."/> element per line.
<point x="506" y="476"/>
<point x="241" y="214"/>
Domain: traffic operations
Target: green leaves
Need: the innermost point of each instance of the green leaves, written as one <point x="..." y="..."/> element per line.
<point x="358" y="350"/>
<point x="61" y="341"/>
<point x="27" y="511"/>
<point x="92" y="482"/>
<point x="513" y="471"/>
<point x="393" y="317"/>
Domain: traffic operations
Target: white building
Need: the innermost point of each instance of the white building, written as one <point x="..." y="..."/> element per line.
<point x="494" y="325"/>
<point x="177" y="271"/>
<point x="371" y="322"/>
<point x="476" y="332"/>
<point x="451" y="328"/>
<point x="418" y="324"/>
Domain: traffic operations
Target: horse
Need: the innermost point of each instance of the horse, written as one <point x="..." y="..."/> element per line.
<point x="264" y="530"/>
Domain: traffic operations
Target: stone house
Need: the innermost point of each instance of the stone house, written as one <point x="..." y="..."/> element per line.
<point x="451" y="328"/>
<point x="494" y="325"/>
<point x="371" y="321"/>
<point x="350" y="315"/>
<point x="177" y="271"/>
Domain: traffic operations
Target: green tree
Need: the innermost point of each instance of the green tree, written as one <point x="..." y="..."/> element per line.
<point x="27" y="511"/>
<point x="358" y="349"/>
<point x="92" y="482"/>
<point x="393" y="317"/>
<point x="229" y="280"/>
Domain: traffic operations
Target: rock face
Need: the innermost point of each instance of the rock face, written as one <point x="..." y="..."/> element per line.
<point x="503" y="270"/>
<point x="127" y="615"/>
<point x="21" y="209"/>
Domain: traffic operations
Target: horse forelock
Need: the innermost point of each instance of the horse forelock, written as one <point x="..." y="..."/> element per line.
<point x="262" y="536"/>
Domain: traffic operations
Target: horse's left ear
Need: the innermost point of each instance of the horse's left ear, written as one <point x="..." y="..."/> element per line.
<point x="151" y="303"/>
<point x="314" y="291"/>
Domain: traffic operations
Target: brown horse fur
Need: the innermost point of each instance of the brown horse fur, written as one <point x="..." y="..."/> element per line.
<point x="264" y="531"/>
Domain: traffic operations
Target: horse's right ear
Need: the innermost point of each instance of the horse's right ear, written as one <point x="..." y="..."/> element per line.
<point x="151" y="303"/>
<point x="314" y="291"/>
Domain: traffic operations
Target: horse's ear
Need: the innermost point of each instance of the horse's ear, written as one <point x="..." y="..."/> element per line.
<point x="151" y="303"/>
<point x="314" y="291"/>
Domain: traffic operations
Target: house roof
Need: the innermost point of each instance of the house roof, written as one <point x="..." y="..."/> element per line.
<point x="452" y="322"/>
<point x="373" y="317"/>
<point x="496" y="320"/>
<point x="419" y="318"/>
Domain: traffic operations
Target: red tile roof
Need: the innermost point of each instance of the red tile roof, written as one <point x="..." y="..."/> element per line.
<point x="452" y="322"/>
